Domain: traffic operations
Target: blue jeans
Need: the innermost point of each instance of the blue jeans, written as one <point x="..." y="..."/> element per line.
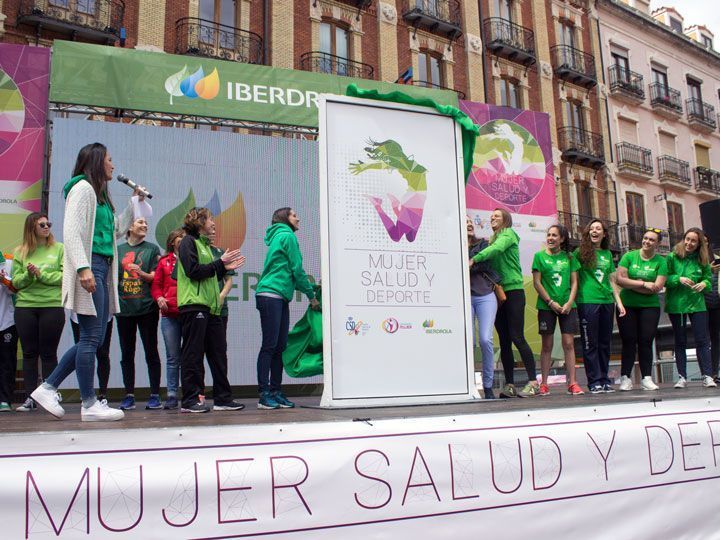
<point x="171" y="329"/>
<point x="699" y="322"/>
<point x="81" y="356"/>
<point x="275" y="324"/>
<point x="484" y="310"/>
<point x="596" y="325"/>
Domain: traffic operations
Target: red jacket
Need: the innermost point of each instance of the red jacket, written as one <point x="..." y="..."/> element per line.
<point x="164" y="285"/>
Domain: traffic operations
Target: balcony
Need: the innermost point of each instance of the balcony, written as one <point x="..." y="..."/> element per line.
<point x="582" y="147"/>
<point x="441" y="16"/>
<point x="674" y="172"/>
<point x="626" y="85"/>
<point x="701" y="115"/>
<point x="509" y="40"/>
<point x="96" y="21"/>
<point x="576" y="223"/>
<point x="634" y="161"/>
<point x="631" y="236"/>
<point x="321" y="62"/>
<point x="426" y="84"/>
<point x="574" y="66"/>
<point x="707" y="181"/>
<point x="198" y="37"/>
<point x="666" y="101"/>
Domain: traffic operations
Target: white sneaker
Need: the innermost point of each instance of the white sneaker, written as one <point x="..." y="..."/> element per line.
<point x="49" y="400"/>
<point x="647" y="384"/>
<point x="681" y="382"/>
<point x="100" y="412"/>
<point x="625" y="383"/>
<point x="708" y="382"/>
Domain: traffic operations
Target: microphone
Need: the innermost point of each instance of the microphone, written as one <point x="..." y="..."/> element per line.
<point x="132" y="185"/>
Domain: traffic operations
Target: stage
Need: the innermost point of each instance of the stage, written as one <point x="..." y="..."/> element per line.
<point x="550" y="463"/>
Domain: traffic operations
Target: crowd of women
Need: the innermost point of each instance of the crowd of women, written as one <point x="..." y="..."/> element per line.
<point x="582" y="292"/>
<point x="184" y="292"/>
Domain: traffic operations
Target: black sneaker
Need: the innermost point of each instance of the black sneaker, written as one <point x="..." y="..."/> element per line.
<point x="597" y="389"/>
<point x="608" y="389"/>
<point x="228" y="406"/>
<point x="199" y="407"/>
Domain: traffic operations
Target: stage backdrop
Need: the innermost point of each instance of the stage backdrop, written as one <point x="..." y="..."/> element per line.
<point x="394" y="252"/>
<point x="513" y="169"/>
<point x="241" y="178"/>
<point x="23" y="111"/>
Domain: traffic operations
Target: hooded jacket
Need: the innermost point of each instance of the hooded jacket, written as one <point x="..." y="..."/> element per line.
<point x="283" y="272"/>
<point x="678" y="297"/>
<point x="165" y="285"/>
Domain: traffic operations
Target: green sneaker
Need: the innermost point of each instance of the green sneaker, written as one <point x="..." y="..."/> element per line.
<point x="530" y="390"/>
<point x="5" y="407"/>
<point x="508" y="391"/>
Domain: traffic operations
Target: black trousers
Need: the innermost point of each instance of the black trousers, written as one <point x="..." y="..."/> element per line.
<point x="510" y="326"/>
<point x="203" y="334"/>
<point x="8" y="363"/>
<point x="103" y="355"/>
<point x="128" y="327"/>
<point x="714" y="331"/>
<point x="637" y="331"/>
<point x="39" y="330"/>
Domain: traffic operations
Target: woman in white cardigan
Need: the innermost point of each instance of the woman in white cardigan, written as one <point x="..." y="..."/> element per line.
<point x="90" y="272"/>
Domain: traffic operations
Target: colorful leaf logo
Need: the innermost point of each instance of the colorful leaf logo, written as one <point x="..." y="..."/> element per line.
<point x="187" y="87"/>
<point x="173" y="219"/>
<point x="208" y="87"/>
<point x="192" y="86"/>
<point x="172" y="83"/>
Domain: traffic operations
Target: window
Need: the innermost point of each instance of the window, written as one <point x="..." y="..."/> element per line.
<point x="567" y="33"/>
<point x="584" y="199"/>
<point x="621" y="61"/>
<point x="628" y="131"/>
<point x="86" y="6"/>
<point x="694" y="89"/>
<point x="707" y="42"/>
<point x="429" y="72"/>
<point x="217" y="12"/>
<point x="60" y="3"/>
<point x="510" y="95"/>
<point x="676" y="25"/>
<point x="659" y="76"/>
<point x="635" y="209"/>
<point x="667" y="144"/>
<point x="334" y="40"/>
<point x="574" y="115"/>
<point x="675" y="220"/>
<point x="503" y="9"/>
<point x="702" y="156"/>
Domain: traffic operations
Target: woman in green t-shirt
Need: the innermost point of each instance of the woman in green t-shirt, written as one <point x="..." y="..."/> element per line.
<point x="641" y="274"/>
<point x="555" y="279"/>
<point x="597" y="294"/>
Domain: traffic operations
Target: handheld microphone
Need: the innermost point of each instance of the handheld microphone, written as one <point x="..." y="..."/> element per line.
<point x="132" y="185"/>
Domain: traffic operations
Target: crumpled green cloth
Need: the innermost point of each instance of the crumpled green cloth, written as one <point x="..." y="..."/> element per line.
<point x="468" y="128"/>
<point x="303" y="356"/>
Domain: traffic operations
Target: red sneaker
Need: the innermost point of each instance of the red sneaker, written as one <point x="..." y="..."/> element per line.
<point x="544" y="390"/>
<point x="575" y="390"/>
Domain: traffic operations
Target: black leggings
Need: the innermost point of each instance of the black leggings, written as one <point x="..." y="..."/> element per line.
<point x="103" y="355"/>
<point x="128" y="327"/>
<point x="637" y="331"/>
<point x="714" y="329"/>
<point x="39" y="330"/>
<point x="510" y="326"/>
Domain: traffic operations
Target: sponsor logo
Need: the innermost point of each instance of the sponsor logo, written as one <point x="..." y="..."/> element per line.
<point x="356" y="328"/>
<point x="193" y="85"/>
<point x="390" y="325"/>
<point x="7" y="337"/>
<point x="430" y="328"/>
<point x="428" y="323"/>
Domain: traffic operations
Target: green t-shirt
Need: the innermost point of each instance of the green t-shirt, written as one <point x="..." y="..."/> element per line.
<point x="104" y="232"/>
<point x="134" y="293"/>
<point x="594" y="283"/>
<point x="555" y="271"/>
<point x="217" y="253"/>
<point x="639" y="268"/>
<point x="44" y="291"/>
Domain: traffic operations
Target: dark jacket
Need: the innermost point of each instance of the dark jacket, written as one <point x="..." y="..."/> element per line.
<point x="482" y="274"/>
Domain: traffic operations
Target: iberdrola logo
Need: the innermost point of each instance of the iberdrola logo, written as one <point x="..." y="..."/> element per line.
<point x="194" y="85"/>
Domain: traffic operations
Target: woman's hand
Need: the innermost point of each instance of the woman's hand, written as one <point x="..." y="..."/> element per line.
<point x="699" y="287"/>
<point x="87" y="280"/>
<point x="621" y="309"/>
<point x="133" y="267"/>
<point x="235" y="263"/>
<point x="139" y="192"/>
<point x="34" y="270"/>
<point x="315" y="305"/>
<point x="687" y="282"/>
<point x="470" y="263"/>
<point x="567" y="308"/>
<point x="162" y="304"/>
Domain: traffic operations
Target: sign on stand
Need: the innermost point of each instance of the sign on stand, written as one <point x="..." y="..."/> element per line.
<point x="395" y="280"/>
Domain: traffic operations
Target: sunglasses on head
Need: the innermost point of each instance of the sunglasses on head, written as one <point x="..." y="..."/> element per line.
<point x="45" y="225"/>
<point x="655" y="230"/>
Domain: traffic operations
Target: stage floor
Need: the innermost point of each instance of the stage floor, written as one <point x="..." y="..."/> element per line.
<point x="307" y="411"/>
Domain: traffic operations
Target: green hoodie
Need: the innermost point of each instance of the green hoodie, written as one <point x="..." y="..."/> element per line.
<point x="504" y="256"/>
<point x="678" y="297"/>
<point x="44" y="291"/>
<point x="283" y="272"/>
<point x="104" y="226"/>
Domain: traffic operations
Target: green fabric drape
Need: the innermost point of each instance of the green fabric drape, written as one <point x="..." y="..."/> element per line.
<point x="303" y="356"/>
<point x="469" y="130"/>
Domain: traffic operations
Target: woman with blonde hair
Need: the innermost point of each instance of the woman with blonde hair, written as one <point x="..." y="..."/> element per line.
<point x="688" y="269"/>
<point x="39" y="316"/>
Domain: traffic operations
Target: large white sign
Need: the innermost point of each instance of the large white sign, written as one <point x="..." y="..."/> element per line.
<point x="394" y="255"/>
<point x="637" y="471"/>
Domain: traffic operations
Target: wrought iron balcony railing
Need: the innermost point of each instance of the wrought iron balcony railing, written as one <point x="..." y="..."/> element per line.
<point x="633" y="158"/>
<point x="674" y="170"/>
<point x="510" y="40"/>
<point x="701" y="113"/>
<point x="631" y="235"/>
<point x="581" y="146"/>
<point x="443" y="16"/>
<point x="707" y="180"/>
<point x="576" y="223"/>
<point x="426" y="84"/>
<point x="321" y="62"/>
<point x="213" y="40"/>
<point x="626" y="82"/>
<point x="97" y="20"/>
<point x="665" y="97"/>
<point x="574" y="65"/>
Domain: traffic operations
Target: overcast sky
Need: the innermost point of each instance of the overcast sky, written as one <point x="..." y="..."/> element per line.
<point x="695" y="12"/>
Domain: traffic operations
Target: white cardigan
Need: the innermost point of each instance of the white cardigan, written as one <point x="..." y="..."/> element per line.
<point x="78" y="231"/>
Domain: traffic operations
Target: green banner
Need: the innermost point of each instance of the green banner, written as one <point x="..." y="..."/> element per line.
<point x="104" y="76"/>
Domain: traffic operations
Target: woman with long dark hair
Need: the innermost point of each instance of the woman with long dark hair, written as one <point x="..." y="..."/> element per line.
<point x="598" y="295"/>
<point x="89" y="284"/>
<point x="504" y="256"/>
<point x="641" y="273"/>
<point x="555" y="280"/>
<point x="282" y="275"/>
<point x="688" y="268"/>
<point x="39" y="316"/>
